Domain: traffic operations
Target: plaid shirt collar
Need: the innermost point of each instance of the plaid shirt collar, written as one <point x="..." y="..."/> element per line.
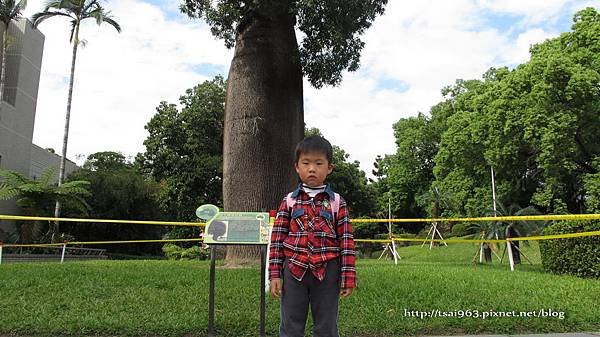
<point x="328" y="190"/>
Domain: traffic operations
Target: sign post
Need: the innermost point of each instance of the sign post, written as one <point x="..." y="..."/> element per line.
<point x="234" y="228"/>
<point x="211" y="294"/>
<point x="263" y="257"/>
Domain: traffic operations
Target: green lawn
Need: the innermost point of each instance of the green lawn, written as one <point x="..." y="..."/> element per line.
<point x="164" y="298"/>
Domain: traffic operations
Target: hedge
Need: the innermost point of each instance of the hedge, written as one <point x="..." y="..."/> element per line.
<point x="574" y="256"/>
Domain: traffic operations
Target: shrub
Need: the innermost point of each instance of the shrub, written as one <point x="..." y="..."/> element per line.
<point x="575" y="256"/>
<point x="174" y="252"/>
<point x="365" y="249"/>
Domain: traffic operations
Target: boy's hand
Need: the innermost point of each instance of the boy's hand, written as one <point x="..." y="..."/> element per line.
<point x="275" y="287"/>
<point x="346" y="292"/>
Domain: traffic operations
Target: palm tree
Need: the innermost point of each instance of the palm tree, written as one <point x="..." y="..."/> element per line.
<point x="517" y="228"/>
<point x="439" y="201"/>
<point x="499" y="229"/>
<point x="76" y="11"/>
<point x="521" y="227"/>
<point x="38" y="197"/>
<point x="9" y="10"/>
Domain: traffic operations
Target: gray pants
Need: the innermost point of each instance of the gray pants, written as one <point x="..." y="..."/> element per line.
<point x="322" y="296"/>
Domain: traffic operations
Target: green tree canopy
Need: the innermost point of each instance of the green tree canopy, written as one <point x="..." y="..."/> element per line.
<point x="537" y="125"/>
<point x="349" y="180"/>
<point x="332" y="29"/>
<point x="118" y="191"/>
<point x="106" y="161"/>
<point x="184" y="150"/>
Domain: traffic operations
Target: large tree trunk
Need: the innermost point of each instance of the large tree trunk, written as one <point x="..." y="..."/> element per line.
<point x="264" y="117"/>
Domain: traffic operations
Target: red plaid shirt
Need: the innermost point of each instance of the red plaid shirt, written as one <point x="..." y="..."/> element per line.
<point x="312" y="237"/>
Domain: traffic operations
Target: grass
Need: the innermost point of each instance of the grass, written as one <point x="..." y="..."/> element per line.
<point x="166" y="298"/>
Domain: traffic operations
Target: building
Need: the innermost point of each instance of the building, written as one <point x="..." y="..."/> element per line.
<point x="17" y="110"/>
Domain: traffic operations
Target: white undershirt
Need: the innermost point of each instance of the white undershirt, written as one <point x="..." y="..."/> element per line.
<point x="312" y="191"/>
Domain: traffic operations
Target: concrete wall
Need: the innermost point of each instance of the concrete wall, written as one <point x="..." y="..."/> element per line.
<point x="18" y="108"/>
<point x="41" y="159"/>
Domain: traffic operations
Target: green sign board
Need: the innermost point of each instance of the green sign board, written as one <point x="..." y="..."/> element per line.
<point x="234" y="227"/>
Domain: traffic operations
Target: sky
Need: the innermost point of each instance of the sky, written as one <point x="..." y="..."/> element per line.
<point x="411" y="52"/>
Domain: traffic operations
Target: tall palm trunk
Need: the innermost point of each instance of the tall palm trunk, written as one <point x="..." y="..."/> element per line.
<point x="4" y="50"/>
<point x="264" y="116"/>
<point x="63" y="158"/>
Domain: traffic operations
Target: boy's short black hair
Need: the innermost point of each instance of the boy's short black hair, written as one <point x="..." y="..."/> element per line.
<point x="315" y="144"/>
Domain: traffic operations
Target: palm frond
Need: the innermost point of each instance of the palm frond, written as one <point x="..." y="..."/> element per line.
<point x="69" y="5"/>
<point x="113" y="23"/>
<point x="53" y="4"/>
<point x="29" y="205"/>
<point x="75" y="188"/>
<point x="79" y="203"/>
<point x="73" y="27"/>
<point x="97" y="14"/>
<point x="47" y="176"/>
<point x="77" y="10"/>
<point x="475" y="226"/>
<point x="65" y="3"/>
<point x="40" y="17"/>
<point x="9" y="237"/>
<point x="32" y="187"/>
<point x="76" y="183"/>
<point x="8" y="192"/>
<point x="11" y="10"/>
<point x="477" y="235"/>
<point x="12" y="178"/>
<point x="30" y="231"/>
<point x="20" y="7"/>
<point x="103" y="16"/>
<point x="90" y="4"/>
<point x="75" y="191"/>
<point x="529" y="210"/>
<point x="490" y="235"/>
<point x="6" y="8"/>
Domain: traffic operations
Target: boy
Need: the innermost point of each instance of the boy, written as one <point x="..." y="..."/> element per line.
<point x="311" y="260"/>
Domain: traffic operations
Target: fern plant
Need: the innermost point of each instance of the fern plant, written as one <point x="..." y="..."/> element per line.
<point x="36" y="197"/>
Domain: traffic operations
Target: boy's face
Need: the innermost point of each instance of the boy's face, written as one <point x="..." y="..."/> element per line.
<point x="313" y="168"/>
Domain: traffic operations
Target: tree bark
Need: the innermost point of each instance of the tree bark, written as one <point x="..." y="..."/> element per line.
<point x="264" y="117"/>
<point x="4" y="50"/>
<point x="63" y="158"/>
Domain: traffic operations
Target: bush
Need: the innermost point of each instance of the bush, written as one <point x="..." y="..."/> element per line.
<point x="575" y="256"/>
<point x="174" y="252"/>
<point x="365" y="249"/>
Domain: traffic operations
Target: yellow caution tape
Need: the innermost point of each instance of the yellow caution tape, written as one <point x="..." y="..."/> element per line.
<point x="556" y="236"/>
<point x="201" y="224"/>
<point x="491" y="218"/>
<point x="133" y="222"/>
<point x="100" y="242"/>
<point x="373" y="240"/>
<point x="523" y="238"/>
